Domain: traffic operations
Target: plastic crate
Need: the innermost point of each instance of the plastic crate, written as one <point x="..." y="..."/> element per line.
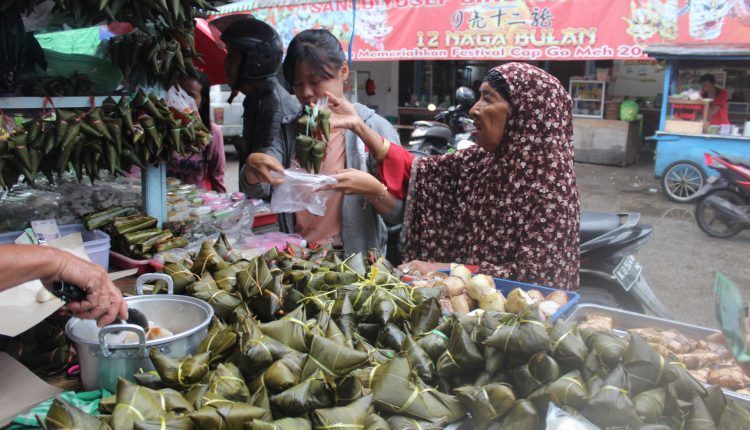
<point x="506" y="286"/>
<point x="95" y="242"/>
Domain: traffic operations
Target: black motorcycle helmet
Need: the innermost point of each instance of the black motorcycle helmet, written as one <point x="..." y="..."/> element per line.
<point x="260" y="46"/>
<point x="465" y="97"/>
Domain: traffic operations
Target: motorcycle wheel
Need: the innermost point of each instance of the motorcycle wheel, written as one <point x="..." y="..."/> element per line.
<point x="681" y="180"/>
<point x="713" y="222"/>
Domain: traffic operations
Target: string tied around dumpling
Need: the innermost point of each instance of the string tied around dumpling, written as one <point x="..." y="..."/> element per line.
<point x="414" y="395"/>
<point x="448" y="353"/>
<point x="258" y="341"/>
<point x="558" y="341"/>
<point x="612" y="387"/>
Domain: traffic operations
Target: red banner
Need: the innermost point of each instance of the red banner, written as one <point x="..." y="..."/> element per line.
<point x="516" y="29"/>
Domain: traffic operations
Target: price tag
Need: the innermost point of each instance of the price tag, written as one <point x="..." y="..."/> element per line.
<point x="45" y="230"/>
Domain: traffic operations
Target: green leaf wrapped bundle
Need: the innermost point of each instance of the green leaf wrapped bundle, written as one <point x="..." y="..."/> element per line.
<point x="223" y="302"/>
<point x="291" y="330"/>
<point x="494" y="360"/>
<point x="331" y="330"/>
<point x="395" y="389"/>
<point x="232" y="416"/>
<point x="609" y="348"/>
<point x="63" y="415"/>
<point x="419" y="360"/>
<point x="270" y="303"/>
<point x="374" y="355"/>
<point x="313" y="393"/>
<point x="567" y="346"/>
<point x="523" y="382"/>
<point x="226" y="279"/>
<point x="334" y="359"/>
<point x="401" y="422"/>
<point x="650" y="404"/>
<point x="715" y="402"/>
<point x="282" y="424"/>
<point x="257" y="352"/>
<point x="343" y="313"/>
<point x="420" y="294"/>
<point x="349" y="388"/>
<point x="167" y="422"/>
<point x="435" y="342"/>
<point x="352" y="416"/>
<point x="180" y="373"/>
<point x="174" y="401"/>
<point x="219" y="343"/>
<point x="462" y="356"/>
<point x="261" y="400"/>
<point x="646" y="368"/>
<point x="254" y="278"/>
<point x="150" y="379"/>
<point x="227" y="382"/>
<point x="734" y="416"/>
<point x="135" y="404"/>
<point x="224" y="249"/>
<point x="391" y="337"/>
<point x="569" y="390"/>
<point x="523" y="416"/>
<point x="284" y="373"/>
<point x="591" y="366"/>
<point x="699" y="417"/>
<point x="376" y="422"/>
<point x="425" y="317"/>
<point x="612" y="406"/>
<point x="208" y="260"/>
<point x="486" y="404"/>
<point x="685" y="385"/>
<point x="383" y="308"/>
<point x="525" y="338"/>
<point x="543" y="368"/>
<point x="181" y="276"/>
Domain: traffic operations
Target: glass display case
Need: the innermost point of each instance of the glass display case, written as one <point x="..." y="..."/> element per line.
<point x="588" y="98"/>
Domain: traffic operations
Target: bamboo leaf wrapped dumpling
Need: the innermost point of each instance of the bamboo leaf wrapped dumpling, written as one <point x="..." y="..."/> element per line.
<point x="462" y="355"/>
<point x="291" y="330"/>
<point x="222" y="301"/>
<point x="226" y="415"/>
<point x="523" y="416"/>
<point x="487" y="404"/>
<point x="612" y="406"/>
<point x="351" y="416"/>
<point x="391" y="337"/>
<point x="168" y="422"/>
<point x="567" y="346"/>
<point x="257" y="351"/>
<point x="419" y="360"/>
<point x="435" y="342"/>
<point x="283" y="373"/>
<point x="395" y="389"/>
<point x="282" y="424"/>
<point x="609" y="348"/>
<point x="208" y="260"/>
<point x="313" y="393"/>
<point x="332" y="358"/>
<point x="63" y="415"/>
<point x="567" y="391"/>
<point x="645" y="367"/>
<point x="269" y="304"/>
<point x="180" y="373"/>
<point x="227" y="382"/>
<point x="254" y="278"/>
<point x="135" y="404"/>
<point x="543" y="368"/>
<point x="699" y="417"/>
<point x="344" y="315"/>
<point x="219" y="343"/>
<point x="525" y="338"/>
<point x="650" y="404"/>
<point x="181" y="276"/>
<point x="174" y="401"/>
<point x="408" y="423"/>
<point x="425" y="317"/>
<point x="376" y="422"/>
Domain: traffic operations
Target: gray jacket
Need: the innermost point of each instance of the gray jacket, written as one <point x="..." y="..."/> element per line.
<point x="363" y="228"/>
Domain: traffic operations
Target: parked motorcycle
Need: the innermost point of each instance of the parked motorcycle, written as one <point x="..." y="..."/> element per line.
<point x="610" y="275"/>
<point x="723" y="208"/>
<point x="450" y="130"/>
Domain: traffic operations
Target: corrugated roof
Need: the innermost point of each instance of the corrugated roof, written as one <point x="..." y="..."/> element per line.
<point x="715" y="51"/>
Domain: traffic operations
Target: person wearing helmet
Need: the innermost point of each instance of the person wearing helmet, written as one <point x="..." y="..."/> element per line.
<point x="465" y="98"/>
<point x="254" y="52"/>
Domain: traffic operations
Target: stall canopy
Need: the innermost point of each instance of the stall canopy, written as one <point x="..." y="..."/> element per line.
<point x="509" y="29"/>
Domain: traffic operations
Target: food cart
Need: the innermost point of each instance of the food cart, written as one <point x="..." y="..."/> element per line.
<point x="684" y="134"/>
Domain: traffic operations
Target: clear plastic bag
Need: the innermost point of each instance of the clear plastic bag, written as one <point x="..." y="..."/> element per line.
<point x="301" y="191"/>
<point x="179" y="99"/>
<point x="559" y="419"/>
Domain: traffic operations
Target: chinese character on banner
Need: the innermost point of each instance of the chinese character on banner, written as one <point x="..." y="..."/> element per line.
<point x="477" y="21"/>
<point x="457" y="19"/>
<point x="498" y="18"/>
<point x="516" y="20"/>
<point x="541" y="18"/>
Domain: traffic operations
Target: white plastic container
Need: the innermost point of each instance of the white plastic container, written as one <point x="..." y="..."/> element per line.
<point x="95" y="242"/>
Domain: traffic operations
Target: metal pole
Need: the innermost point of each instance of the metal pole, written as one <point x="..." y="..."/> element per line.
<point x="665" y="94"/>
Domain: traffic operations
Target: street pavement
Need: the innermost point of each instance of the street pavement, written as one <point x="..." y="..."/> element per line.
<point x="679" y="261"/>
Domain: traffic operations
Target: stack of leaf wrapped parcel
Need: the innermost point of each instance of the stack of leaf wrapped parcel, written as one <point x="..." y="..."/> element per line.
<point x="305" y="340"/>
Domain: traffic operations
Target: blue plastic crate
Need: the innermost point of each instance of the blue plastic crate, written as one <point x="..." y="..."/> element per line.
<point x="506" y="286"/>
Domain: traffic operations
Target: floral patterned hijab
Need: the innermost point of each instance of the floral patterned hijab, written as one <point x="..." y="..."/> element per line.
<point x="515" y="212"/>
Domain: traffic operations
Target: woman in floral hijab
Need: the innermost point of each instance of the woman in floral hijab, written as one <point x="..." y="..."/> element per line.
<point x="510" y="204"/>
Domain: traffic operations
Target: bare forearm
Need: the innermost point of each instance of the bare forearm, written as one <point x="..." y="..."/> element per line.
<point x="22" y="263"/>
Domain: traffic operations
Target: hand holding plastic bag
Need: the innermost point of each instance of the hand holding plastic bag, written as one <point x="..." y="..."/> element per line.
<point x="301" y="191"/>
